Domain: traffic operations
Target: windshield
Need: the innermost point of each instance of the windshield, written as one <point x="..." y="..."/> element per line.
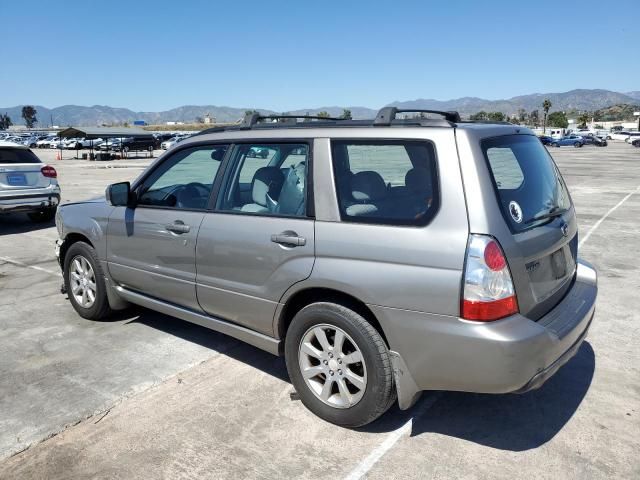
<point x="527" y="182"/>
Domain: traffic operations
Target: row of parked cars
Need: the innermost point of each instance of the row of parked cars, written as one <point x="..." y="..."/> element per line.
<point x="122" y="144"/>
<point x="580" y="138"/>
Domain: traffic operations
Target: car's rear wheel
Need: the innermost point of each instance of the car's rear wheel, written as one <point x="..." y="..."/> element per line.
<point x="84" y="282"/>
<point x="577" y="144"/>
<point x="42" y="216"/>
<point x="339" y="365"/>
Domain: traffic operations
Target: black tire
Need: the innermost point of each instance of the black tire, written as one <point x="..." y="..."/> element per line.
<point x="379" y="392"/>
<point x="100" y="308"/>
<point x="555" y="144"/>
<point x="43" y="216"/>
<point x="577" y="144"/>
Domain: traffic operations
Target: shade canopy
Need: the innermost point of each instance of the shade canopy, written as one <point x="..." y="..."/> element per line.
<point x="103" y="132"/>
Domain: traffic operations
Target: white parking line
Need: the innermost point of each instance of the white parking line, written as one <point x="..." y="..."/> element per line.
<point x="33" y="267"/>
<point x="365" y="465"/>
<point x="392" y="438"/>
<point x="604" y="217"/>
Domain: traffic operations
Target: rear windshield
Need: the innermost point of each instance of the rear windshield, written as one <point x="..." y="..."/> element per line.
<point x="528" y="184"/>
<point x="17" y="155"/>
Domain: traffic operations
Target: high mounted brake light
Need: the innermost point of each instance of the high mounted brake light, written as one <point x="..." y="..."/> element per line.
<point x="488" y="292"/>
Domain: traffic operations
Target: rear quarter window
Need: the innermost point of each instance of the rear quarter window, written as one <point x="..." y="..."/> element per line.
<point x="17" y="155"/>
<point x="392" y="182"/>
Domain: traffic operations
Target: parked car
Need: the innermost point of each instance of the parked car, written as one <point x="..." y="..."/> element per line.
<point x="80" y="143"/>
<point x="110" y="144"/>
<point x="595" y="140"/>
<point x="618" y="135"/>
<point x="546" y="139"/>
<point x="464" y="300"/>
<point x="26" y="184"/>
<point x="166" y="145"/>
<point x="135" y="144"/>
<point x="632" y="136"/>
<point x="573" y="140"/>
<point x="45" y="142"/>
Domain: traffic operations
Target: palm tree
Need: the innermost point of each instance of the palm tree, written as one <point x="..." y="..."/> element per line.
<point x="546" y="105"/>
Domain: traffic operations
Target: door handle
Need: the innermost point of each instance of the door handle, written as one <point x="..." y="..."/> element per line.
<point x="289" y="239"/>
<point x="177" y="227"/>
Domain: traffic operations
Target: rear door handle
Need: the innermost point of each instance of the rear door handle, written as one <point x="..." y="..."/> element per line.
<point x="177" y="227"/>
<point x="289" y="239"/>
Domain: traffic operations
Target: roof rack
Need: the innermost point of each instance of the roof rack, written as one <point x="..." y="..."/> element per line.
<point x="251" y="119"/>
<point x="386" y="115"/>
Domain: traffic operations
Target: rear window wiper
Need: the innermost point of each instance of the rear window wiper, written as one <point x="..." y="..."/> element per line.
<point x="553" y="212"/>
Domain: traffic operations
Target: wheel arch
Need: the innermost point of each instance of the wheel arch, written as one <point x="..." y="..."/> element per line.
<point x="69" y="240"/>
<point x="300" y="299"/>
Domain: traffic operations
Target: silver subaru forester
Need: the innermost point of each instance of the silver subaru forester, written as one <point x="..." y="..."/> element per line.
<point x="381" y="257"/>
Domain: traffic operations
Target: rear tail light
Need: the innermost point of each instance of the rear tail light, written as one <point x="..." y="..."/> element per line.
<point x="488" y="292"/>
<point x="49" y="172"/>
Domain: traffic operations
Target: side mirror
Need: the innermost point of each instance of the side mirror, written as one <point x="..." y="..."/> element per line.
<point x="119" y="194"/>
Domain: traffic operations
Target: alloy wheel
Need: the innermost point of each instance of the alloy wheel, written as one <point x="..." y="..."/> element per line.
<point x="82" y="282"/>
<point x="332" y="366"/>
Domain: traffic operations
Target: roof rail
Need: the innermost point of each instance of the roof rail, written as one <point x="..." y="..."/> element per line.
<point x="386" y="115"/>
<point x="251" y="119"/>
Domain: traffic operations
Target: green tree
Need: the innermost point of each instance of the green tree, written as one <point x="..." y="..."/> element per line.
<point x="546" y="105"/>
<point x="29" y="115"/>
<point x="558" y="120"/>
<point x="346" y="114"/>
<point x="323" y="114"/>
<point x="5" y="122"/>
<point x="495" y="116"/>
<point x="583" y="119"/>
<point x="481" y="115"/>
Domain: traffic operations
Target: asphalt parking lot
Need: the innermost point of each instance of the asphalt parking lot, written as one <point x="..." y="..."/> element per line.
<point x="145" y="395"/>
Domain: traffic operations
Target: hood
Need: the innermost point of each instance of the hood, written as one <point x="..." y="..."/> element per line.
<point x="100" y="199"/>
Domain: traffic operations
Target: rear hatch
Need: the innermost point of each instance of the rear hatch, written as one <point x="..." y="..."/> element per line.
<point x="20" y="170"/>
<point x="537" y="208"/>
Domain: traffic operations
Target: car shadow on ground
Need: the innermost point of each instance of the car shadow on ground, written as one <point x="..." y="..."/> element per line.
<point x="506" y="422"/>
<point x="211" y="339"/>
<point x="13" y="223"/>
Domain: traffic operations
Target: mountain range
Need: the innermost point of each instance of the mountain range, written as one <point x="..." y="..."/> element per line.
<point x="581" y="99"/>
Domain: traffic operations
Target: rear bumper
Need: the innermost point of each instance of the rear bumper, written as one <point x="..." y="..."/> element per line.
<point x="515" y="354"/>
<point x="30" y="202"/>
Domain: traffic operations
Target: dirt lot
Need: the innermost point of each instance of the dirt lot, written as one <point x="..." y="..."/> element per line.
<point x="147" y="396"/>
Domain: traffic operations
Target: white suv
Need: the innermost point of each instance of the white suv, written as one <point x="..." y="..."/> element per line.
<point x="27" y="185"/>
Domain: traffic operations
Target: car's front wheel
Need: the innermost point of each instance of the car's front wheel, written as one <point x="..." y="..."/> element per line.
<point x="339" y="365"/>
<point x="577" y="144"/>
<point x="84" y="282"/>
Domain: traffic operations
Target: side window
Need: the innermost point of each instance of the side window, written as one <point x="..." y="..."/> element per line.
<point x="386" y="182"/>
<point x="185" y="180"/>
<point x="267" y="179"/>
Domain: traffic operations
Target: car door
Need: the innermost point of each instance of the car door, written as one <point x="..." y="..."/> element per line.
<point x="251" y="249"/>
<point x="151" y="248"/>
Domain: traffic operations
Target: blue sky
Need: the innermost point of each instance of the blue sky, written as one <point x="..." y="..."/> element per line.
<point x="155" y="55"/>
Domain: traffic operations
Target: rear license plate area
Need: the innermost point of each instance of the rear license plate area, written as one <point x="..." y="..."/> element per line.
<point x="16" y="179"/>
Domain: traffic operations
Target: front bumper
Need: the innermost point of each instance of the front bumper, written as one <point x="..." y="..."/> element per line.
<point x="515" y="354"/>
<point x="30" y="202"/>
